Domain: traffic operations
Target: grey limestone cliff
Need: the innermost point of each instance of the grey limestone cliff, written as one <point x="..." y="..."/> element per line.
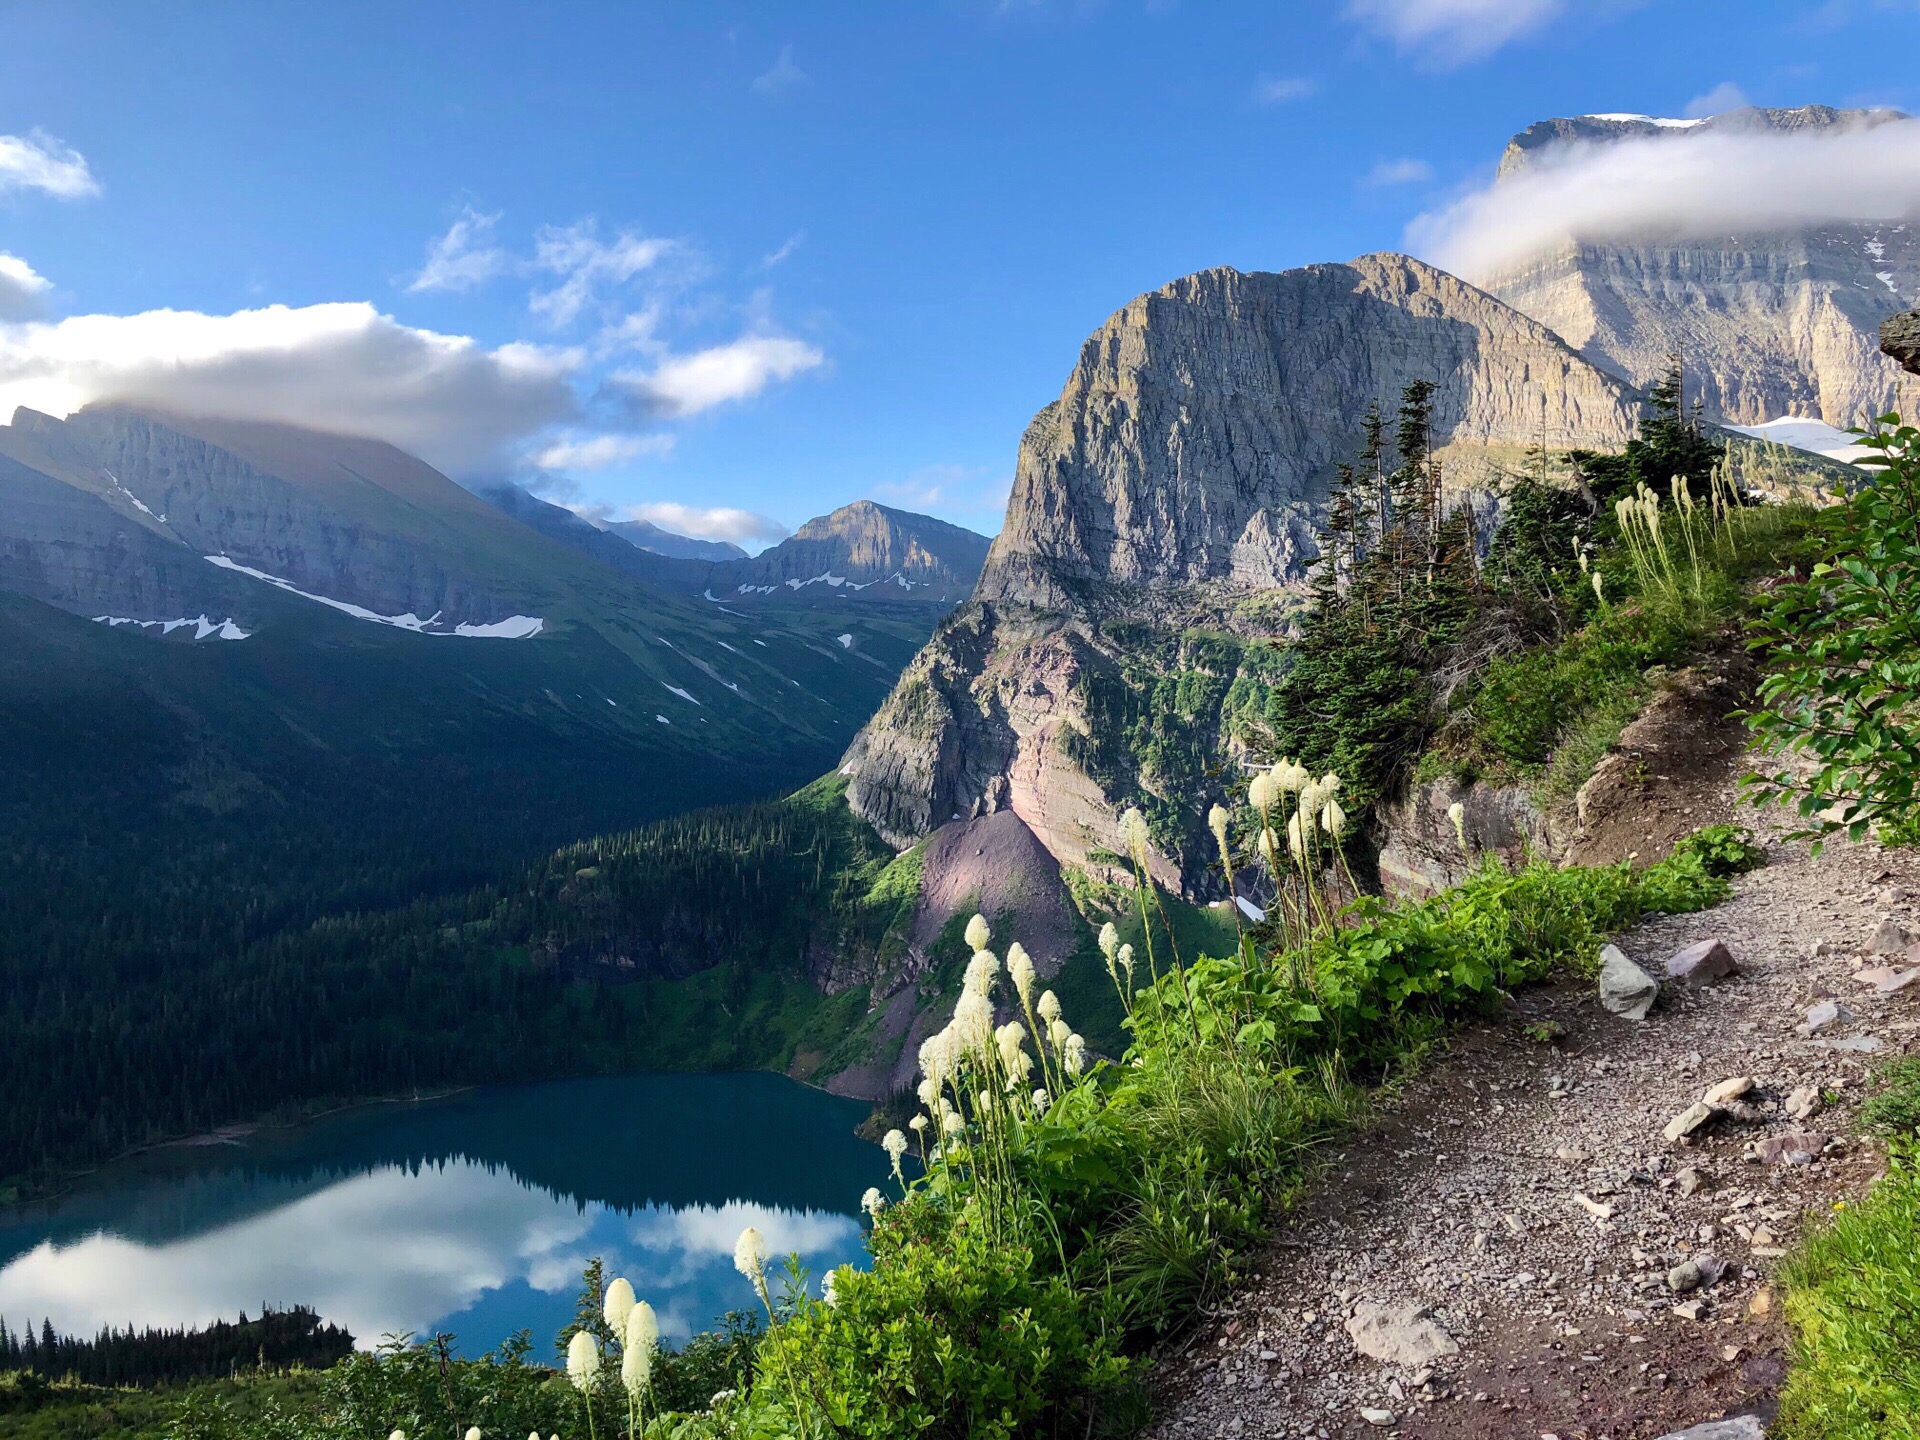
<point x="1177" y="483"/>
<point x="1772" y="323"/>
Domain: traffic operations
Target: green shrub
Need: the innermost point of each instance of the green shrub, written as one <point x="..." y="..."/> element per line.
<point x="1853" y="1299"/>
<point x="948" y="1335"/>
<point x="1894" y="1107"/>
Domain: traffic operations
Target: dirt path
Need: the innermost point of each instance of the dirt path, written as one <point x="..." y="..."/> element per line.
<point x="1523" y="1193"/>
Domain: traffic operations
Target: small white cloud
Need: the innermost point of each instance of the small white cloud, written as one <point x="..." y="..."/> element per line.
<point x="791" y="244"/>
<point x="1283" y="89"/>
<point x="978" y="493"/>
<point x="37" y="161"/>
<point x="784" y="76"/>
<point x="1403" y="171"/>
<point x="1718" y="101"/>
<point x="585" y="263"/>
<point x="688" y="384"/>
<point x="463" y="257"/>
<point x="1679" y="184"/>
<point x="742" y="527"/>
<point x="21" y="287"/>
<point x="598" y="452"/>
<point x="342" y="367"/>
<point x="1452" y="32"/>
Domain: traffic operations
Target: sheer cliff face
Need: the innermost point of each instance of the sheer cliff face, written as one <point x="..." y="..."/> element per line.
<point x="1768" y="325"/>
<point x="1195" y="440"/>
<point x="1182" y="472"/>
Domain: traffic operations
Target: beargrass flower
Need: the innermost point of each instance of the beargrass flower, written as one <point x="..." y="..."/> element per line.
<point x="618" y="1305"/>
<point x="1020" y="971"/>
<point x="1296" y="836"/>
<point x="583" y="1361"/>
<point x="895" y="1144"/>
<point x="981" y="970"/>
<point x="1260" y="792"/>
<point x="1312" y="796"/>
<point x="1058" y="1031"/>
<point x="473" y="1432"/>
<point x="1133" y="826"/>
<point x="826" y="1283"/>
<point x="1595" y="577"/>
<point x="636" y="1359"/>
<point x="1049" y="1007"/>
<point x="918" y="1124"/>
<point x="950" y="1120"/>
<point x="1457" y="813"/>
<point x="720" y="1397"/>
<point x="972" y="1023"/>
<point x="1011" y="1038"/>
<point x="1268" y="844"/>
<point x="1074" y="1054"/>
<point x="1126" y="963"/>
<point x="1291" y="776"/>
<point x="1333" y="819"/>
<point x="873" y="1202"/>
<point x="1217" y="819"/>
<point x="750" y="1258"/>
<point x="1109" y="939"/>
<point x="978" y="933"/>
<point x="402" y="1435"/>
<point x="1040" y="1101"/>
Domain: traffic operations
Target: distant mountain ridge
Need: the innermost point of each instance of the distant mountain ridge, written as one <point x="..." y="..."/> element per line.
<point x="1770" y="325"/>
<point x="645" y="535"/>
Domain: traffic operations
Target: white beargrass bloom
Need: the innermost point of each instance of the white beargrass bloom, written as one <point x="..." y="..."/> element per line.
<point x="1074" y="1054"/>
<point x="1058" y="1031"/>
<point x="827" y="1280"/>
<point x="1296" y="836"/>
<point x="1011" y="1038"/>
<point x="873" y="1202"/>
<point x="1457" y="813"/>
<point x="1217" y="819"/>
<point x="402" y="1435"/>
<point x="583" y="1361"/>
<point x="1312" y="797"/>
<point x="1126" y="963"/>
<point x="1268" y="845"/>
<point x="1291" y="776"/>
<point x="918" y="1124"/>
<point x="1049" y="1007"/>
<point x="1040" y="1101"/>
<point x="473" y="1432"/>
<point x="1133" y="829"/>
<point x="1020" y="971"/>
<point x="1329" y="784"/>
<point x="950" y="1120"/>
<point x="750" y="1257"/>
<point x="1109" y="939"/>
<point x="1595" y="577"/>
<point x="618" y="1305"/>
<point x="895" y="1144"/>
<point x="720" y="1397"/>
<point x="978" y="933"/>
<point x="636" y="1358"/>
<point x="972" y="1024"/>
<point x="1334" y="819"/>
<point x="981" y="970"/>
<point x="1260" y="792"/>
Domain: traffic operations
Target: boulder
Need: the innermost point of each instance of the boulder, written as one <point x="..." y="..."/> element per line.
<point x="1700" y="962"/>
<point x="1400" y="1332"/>
<point x="1796" y="1147"/>
<point x="1727" y="1091"/>
<point x="1900" y="338"/>
<point x="1625" y="989"/>
<point x="1891" y="938"/>
<point x="1802" y="1103"/>
<point x="1689" y="1121"/>
<point x="1736" y="1427"/>
<point x="1824" y="1016"/>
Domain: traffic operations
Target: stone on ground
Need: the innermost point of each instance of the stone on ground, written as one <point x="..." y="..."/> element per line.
<point x="1399" y="1332"/>
<point x="1740" y="1427"/>
<point x="1702" y="961"/>
<point x="1727" y="1091"/>
<point x="1625" y="989"/>
<point x="1689" y="1120"/>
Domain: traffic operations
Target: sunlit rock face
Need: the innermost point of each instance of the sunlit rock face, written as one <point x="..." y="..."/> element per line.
<point x="1768" y="323"/>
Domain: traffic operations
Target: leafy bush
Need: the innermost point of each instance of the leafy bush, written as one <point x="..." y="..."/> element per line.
<point x="949" y="1335"/>
<point x="1842" y="650"/>
<point x="1853" y="1299"/>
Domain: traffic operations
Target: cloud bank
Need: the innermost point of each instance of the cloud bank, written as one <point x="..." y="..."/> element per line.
<point x="457" y="404"/>
<point x="37" y="161"/>
<point x="743" y="527"/>
<point x="21" y="287"/>
<point x="687" y="384"/>
<point x="1680" y="185"/>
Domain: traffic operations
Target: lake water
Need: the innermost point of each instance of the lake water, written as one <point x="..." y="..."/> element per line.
<point x="472" y="1214"/>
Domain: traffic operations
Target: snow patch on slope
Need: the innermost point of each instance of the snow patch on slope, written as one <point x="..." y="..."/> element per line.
<point x="203" y="628"/>
<point x="514" y="627"/>
<point x="1815" y="436"/>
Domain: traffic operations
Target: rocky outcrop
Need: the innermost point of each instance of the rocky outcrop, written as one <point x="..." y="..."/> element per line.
<point x="1422" y="853"/>
<point x="1769" y="324"/>
<point x="1900" y="338"/>
<point x="1195" y="440"/>
<point x="863" y="549"/>
<point x="1177" y="485"/>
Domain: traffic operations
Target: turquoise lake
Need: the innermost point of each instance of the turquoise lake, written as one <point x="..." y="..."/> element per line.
<point x="471" y="1214"/>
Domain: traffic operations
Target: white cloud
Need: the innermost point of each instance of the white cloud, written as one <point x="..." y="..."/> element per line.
<point x="687" y="384"/>
<point x="585" y="263"/>
<point x="791" y="244"/>
<point x="37" y="161"/>
<point x="1281" y="89"/>
<point x="598" y="452"/>
<point x="784" y="76"/>
<point x="21" y="287"/>
<point x="463" y="257"/>
<point x="345" y="367"/>
<point x="1403" y="171"/>
<point x="1452" y="32"/>
<point x="1721" y="98"/>
<point x="742" y="527"/>
<point x="977" y="493"/>
<point x="1676" y="185"/>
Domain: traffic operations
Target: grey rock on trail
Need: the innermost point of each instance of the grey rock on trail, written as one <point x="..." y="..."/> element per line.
<point x="1399" y="1332"/>
<point x="1625" y="989"/>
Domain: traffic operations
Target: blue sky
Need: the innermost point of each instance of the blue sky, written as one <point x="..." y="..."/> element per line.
<point x="757" y="260"/>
